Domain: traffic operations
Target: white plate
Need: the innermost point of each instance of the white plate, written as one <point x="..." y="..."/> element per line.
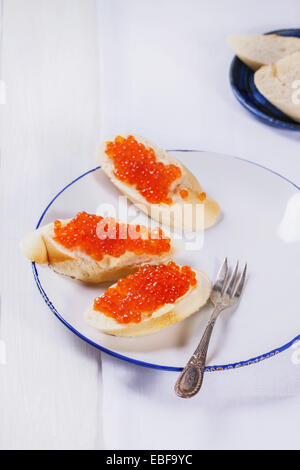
<point x="259" y="225"/>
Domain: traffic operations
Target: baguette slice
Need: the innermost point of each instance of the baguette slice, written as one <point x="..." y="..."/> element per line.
<point x="190" y="215"/>
<point x="277" y="82"/>
<point x="40" y="247"/>
<point x="169" y="314"/>
<point x="256" y="50"/>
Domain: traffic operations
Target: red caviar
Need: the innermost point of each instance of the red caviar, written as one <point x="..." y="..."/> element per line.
<point x="202" y="196"/>
<point x="136" y="164"/>
<point x="114" y="239"/>
<point x="184" y="193"/>
<point x="148" y="289"/>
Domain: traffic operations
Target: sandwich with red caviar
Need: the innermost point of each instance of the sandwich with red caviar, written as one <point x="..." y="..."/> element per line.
<point x="157" y="183"/>
<point x="96" y="249"/>
<point x="150" y="299"/>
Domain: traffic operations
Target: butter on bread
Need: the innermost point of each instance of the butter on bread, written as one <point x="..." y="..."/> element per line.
<point x="168" y="314"/>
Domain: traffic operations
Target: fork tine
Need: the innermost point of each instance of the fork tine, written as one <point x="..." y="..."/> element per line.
<point x="221" y="277"/>
<point x="233" y="280"/>
<point x="241" y="283"/>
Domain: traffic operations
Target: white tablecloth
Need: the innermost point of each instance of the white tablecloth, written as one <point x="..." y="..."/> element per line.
<point x="164" y="74"/>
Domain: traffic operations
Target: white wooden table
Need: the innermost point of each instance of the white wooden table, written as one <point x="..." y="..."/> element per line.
<point x="50" y="386"/>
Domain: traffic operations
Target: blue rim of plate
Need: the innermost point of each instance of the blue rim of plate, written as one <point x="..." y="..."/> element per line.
<point x="234" y="365"/>
<point x="244" y="89"/>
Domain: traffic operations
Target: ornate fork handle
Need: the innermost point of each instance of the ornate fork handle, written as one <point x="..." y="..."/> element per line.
<point x="190" y="380"/>
<point x="225" y="293"/>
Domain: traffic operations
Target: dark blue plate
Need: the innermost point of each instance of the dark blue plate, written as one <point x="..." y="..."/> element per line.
<point x="242" y="83"/>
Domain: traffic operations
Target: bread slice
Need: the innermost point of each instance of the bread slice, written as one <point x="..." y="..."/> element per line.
<point x="256" y="50"/>
<point x="191" y="302"/>
<point x="190" y="215"/>
<point x="40" y="247"/>
<point x="277" y="82"/>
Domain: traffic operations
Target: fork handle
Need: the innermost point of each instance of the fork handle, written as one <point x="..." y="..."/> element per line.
<point x="190" y="380"/>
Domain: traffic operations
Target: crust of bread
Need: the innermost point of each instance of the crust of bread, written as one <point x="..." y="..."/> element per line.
<point x="256" y="50"/>
<point x="275" y="82"/>
<point x="198" y="216"/>
<point x="167" y="315"/>
<point x="40" y="247"/>
<point x="34" y="248"/>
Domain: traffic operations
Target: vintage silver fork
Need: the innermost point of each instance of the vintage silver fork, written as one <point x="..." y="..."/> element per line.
<point x="225" y="293"/>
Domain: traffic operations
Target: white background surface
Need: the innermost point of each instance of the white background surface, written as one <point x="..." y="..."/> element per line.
<point x="163" y="73"/>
